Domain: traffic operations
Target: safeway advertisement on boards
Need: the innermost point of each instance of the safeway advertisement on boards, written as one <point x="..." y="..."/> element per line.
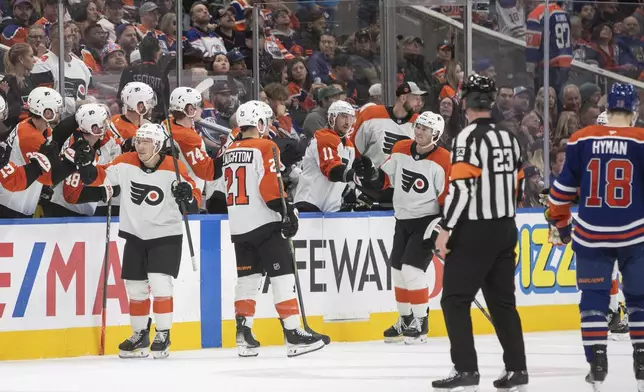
<point x="344" y="268"/>
<point x="50" y="277"/>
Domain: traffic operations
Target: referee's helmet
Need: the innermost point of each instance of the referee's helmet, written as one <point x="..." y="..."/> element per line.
<point x="479" y="92"/>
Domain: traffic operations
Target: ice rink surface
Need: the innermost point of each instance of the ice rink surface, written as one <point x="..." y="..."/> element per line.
<point x="555" y="361"/>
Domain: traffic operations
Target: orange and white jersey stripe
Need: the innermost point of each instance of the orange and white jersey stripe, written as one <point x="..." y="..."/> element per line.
<point x="24" y="139"/>
<point x="325" y="152"/>
<point x="250" y="175"/>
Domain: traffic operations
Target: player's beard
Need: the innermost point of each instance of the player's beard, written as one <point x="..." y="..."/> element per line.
<point x="409" y="109"/>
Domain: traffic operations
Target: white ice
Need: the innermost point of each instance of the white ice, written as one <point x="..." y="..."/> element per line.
<point x="555" y="362"/>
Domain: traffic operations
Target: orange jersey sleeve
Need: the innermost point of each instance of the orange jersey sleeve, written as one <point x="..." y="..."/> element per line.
<point x="442" y="157"/>
<point x="268" y="186"/>
<point x="30" y="141"/>
<point x="192" y="148"/>
<point x="327" y="146"/>
<point x="13" y="178"/>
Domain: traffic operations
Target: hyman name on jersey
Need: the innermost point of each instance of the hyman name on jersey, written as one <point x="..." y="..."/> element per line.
<point x="617" y="147"/>
<point x="238" y="157"/>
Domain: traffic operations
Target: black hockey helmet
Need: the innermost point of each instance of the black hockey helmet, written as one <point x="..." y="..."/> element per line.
<point x="479" y="92"/>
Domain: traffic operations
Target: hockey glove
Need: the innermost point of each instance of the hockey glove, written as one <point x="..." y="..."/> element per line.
<point x="182" y="192"/>
<point x="364" y="169"/>
<point x="543" y="197"/>
<point x="84" y="154"/>
<point x="560" y="233"/>
<point x="109" y="191"/>
<point x="5" y="154"/>
<point x="290" y="222"/>
<point x="50" y="149"/>
<point x="46" y="194"/>
<point x="431" y="233"/>
<point x="41" y="160"/>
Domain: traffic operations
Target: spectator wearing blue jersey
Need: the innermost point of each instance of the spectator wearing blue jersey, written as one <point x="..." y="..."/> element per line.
<point x="319" y="64"/>
<point x="560" y="45"/>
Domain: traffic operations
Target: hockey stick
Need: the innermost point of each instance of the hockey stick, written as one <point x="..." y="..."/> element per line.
<point x="476" y="302"/>
<point x="204" y="85"/>
<point x="182" y="205"/>
<point x="326" y="339"/>
<point x="101" y="349"/>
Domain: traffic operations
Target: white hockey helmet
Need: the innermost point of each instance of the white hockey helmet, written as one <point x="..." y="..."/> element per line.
<point x="337" y="108"/>
<point x="430" y="122"/>
<point x="251" y="114"/>
<point x="602" y="119"/>
<point x="138" y="97"/>
<point x="42" y="99"/>
<point x="93" y="118"/>
<point x="268" y="116"/>
<point x="4" y="109"/>
<point x="184" y="96"/>
<point x="154" y="132"/>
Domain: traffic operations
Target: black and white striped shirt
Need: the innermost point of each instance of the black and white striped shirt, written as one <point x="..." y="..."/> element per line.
<point x="486" y="175"/>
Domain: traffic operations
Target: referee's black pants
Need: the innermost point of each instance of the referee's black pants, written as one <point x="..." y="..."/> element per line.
<point x="481" y="256"/>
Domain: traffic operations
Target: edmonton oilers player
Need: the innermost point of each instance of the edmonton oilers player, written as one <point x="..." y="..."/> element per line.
<point x="605" y="164"/>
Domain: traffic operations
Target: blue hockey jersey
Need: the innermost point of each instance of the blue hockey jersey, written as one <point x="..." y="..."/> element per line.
<point x="560" y="37"/>
<point x="605" y="165"/>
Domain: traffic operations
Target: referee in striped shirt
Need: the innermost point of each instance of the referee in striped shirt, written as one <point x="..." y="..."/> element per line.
<point x="478" y="239"/>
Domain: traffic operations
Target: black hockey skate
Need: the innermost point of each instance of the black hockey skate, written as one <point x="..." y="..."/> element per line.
<point x="247" y="345"/>
<point x="299" y="342"/>
<point x="395" y="333"/>
<point x="638" y="365"/>
<point x="416" y="332"/>
<point x="598" y="367"/>
<point x="137" y="345"/>
<point x="458" y="382"/>
<point x="618" y="325"/>
<point x="161" y="345"/>
<point x="512" y="382"/>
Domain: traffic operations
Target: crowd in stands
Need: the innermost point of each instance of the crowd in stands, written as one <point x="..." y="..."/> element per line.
<point x="307" y="61"/>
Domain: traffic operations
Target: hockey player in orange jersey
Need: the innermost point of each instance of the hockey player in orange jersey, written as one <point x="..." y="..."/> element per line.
<point x="26" y="139"/>
<point x="18" y="178"/>
<point x="151" y="223"/>
<point x="326" y="167"/>
<point x="186" y="106"/>
<point x="418" y="171"/>
<point x="138" y="101"/>
<point x="260" y="233"/>
<point x="70" y="197"/>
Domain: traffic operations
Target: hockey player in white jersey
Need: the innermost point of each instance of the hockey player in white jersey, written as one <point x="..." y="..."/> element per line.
<point x="151" y="224"/>
<point x="70" y="197"/>
<point x="327" y="163"/>
<point x="260" y="232"/>
<point x="379" y="127"/>
<point x="418" y="171"/>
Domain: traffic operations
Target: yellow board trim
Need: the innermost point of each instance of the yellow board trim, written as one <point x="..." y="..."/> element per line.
<point x="533" y="318"/>
<point x="73" y="342"/>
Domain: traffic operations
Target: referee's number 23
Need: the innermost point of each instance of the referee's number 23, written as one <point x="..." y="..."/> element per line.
<point x="502" y="162"/>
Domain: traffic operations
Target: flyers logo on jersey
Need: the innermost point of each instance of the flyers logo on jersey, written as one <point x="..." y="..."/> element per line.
<point x="151" y="194"/>
<point x="391" y="139"/>
<point x="414" y="180"/>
